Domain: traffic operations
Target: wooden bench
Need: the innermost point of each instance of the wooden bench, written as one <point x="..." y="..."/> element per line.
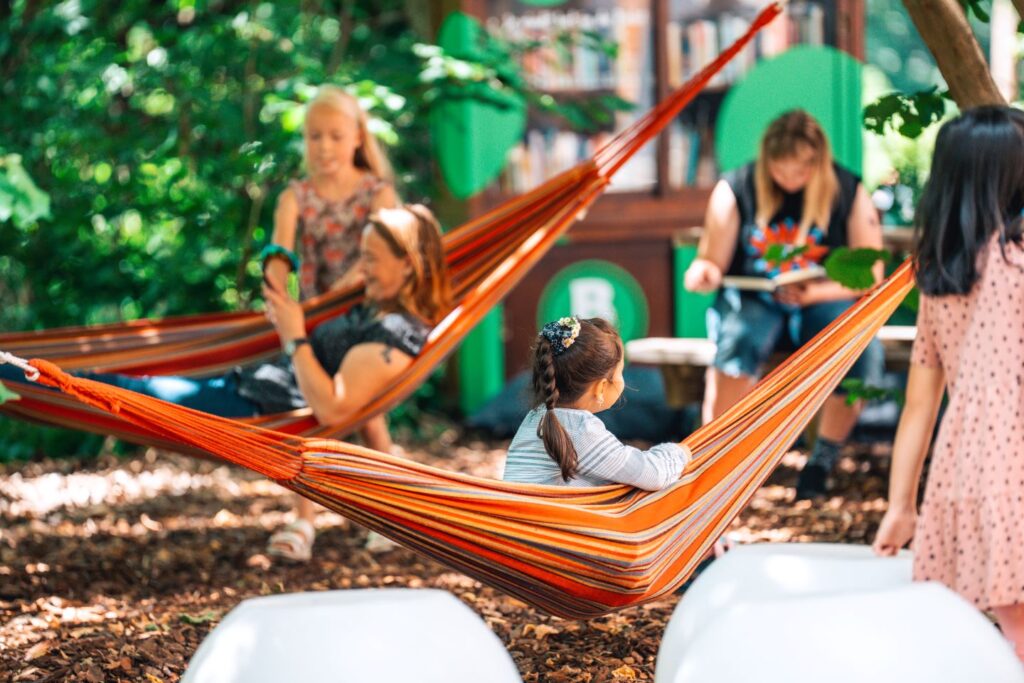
<point x="683" y="361"/>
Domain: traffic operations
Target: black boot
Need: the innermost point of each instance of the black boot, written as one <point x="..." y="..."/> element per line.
<point x="811" y="482"/>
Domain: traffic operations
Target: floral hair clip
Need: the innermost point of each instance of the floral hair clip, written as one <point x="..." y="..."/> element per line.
<point x="561" y="333"/>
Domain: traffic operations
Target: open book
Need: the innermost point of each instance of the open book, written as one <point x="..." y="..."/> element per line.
<point x="770" y="284"/>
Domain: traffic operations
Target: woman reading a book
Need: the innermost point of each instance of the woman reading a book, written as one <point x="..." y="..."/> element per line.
<point x="768" y="227"/>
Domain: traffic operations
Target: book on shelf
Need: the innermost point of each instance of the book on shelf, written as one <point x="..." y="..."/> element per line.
<point x="771" y="284"/>
<point x="547" y="151"/>
<point x="565" y="60"/>
<point x="693" y="43"/>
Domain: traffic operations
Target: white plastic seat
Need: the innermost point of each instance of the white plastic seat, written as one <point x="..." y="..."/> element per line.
<point x="801" y="612"/>
<point x="768" y="571"/>
<point x="382" y="635"/>
<point x="915" y="633"/>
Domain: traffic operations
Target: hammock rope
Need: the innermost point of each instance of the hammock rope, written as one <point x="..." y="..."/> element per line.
<point x="574" y="552"/>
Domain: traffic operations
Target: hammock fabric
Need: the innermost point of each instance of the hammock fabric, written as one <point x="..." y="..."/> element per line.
<point x="487" y="257"/>
<point x="574" y="552"/>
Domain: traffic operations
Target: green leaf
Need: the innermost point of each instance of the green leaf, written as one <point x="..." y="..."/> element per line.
<point x="779" y="254"/>
<point x="7" y="395"/>
<point x="852" y="268"/>
<point x="858" y="390"/>
<point x="196" y="620"/>
<point x="913" y="300"/>
<point x="20" y="198"/>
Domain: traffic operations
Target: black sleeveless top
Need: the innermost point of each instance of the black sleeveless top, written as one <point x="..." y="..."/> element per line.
<point x="273" y="386"/>
<point x="754" y="240"/>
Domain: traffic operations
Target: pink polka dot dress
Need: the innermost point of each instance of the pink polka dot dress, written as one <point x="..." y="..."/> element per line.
<point x="970" y="533"/>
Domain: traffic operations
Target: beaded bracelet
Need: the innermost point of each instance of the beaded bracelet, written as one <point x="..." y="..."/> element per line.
<point x="276" y="250"/>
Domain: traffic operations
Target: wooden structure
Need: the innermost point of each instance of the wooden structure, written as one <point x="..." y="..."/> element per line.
<point x="661" y="42"/>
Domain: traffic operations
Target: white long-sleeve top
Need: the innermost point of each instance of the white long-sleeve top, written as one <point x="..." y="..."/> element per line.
<point x="602" y="458"/>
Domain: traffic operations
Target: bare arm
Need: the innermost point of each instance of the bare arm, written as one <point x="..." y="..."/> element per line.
<point x="375" y="435"/>
<point x="286" y="220"/>
<point x="717" y="241"/>
<point x="721" y="227"/>
<point x="366" y="369"/>
<point x="925" y="387"/>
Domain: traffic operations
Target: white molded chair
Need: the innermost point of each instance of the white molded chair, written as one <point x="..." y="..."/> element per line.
<point x="767" y="571"/>
<point x="916" y="633"/>
<point x="385" y="635"/>
<point x="804" y="610"/>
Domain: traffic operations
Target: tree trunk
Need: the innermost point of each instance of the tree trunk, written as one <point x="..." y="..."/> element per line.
<point x="944" y="29"/>
<point x="1019" y="5"/>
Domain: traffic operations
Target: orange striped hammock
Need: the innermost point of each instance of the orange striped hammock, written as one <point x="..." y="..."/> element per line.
<point x="487" y="257"/>
<point x="573" y="552"/>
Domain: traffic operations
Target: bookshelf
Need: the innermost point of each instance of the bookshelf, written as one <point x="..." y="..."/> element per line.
<point x="663" y="191"/>
<point x="569" y="62"/>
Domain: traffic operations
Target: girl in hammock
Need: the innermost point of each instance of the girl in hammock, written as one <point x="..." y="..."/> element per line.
<point x="577" y="371"/>
<point x="969" y="262"/>
<point x="321" y="217"/>
<point x="346" y="361"/>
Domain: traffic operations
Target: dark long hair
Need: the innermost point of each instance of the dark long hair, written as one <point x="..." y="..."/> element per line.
<point x="975" y="190"/>
<point x="561" y="379"/>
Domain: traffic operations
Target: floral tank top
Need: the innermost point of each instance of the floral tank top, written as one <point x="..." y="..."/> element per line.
<point x="329" y="232"/>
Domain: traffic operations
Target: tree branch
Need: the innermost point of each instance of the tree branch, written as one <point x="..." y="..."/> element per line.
<point x="1019" y="6"/>
<point x="338" y="51"/>
<point x="943" y="27"/>
<point x="257" y="195"/>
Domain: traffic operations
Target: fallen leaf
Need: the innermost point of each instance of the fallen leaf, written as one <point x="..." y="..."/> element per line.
<point x="38" y="650"/>
<point x="626" y="672"/>
<point x="204" y="618"/>
<point x="539" y="631"/>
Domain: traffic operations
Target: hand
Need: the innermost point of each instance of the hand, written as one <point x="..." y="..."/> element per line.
<point x="702" y="276"/>
<point x="284" y="313"/>
<point x="895" y="531"/>
<point x="794" y="295"/>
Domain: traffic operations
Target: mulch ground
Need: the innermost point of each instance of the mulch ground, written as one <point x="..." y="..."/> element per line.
<point x="116" y="569"/>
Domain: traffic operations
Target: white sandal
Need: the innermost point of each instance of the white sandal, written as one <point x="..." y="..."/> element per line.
<point x="293" y="541"/>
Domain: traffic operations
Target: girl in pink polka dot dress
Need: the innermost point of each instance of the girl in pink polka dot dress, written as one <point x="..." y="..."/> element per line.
<point x="969" y="259"/>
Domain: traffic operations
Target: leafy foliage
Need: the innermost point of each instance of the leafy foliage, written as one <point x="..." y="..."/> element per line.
<point x="857" y="390"/>
<point x="779" y="254"/>
<point x="159" y="133"/>
<point x="977" y="7"/>
<point x="852" y="268"/>
<point x="6" y="394"/>
<point x="909" y="114"/>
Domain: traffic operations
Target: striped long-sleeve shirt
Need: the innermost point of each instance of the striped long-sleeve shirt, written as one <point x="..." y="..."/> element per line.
<point x="602" y="458"/>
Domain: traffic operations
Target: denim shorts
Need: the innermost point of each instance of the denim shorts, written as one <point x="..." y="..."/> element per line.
<point x="748" y="326"/>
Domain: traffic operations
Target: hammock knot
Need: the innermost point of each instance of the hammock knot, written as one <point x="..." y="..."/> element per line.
<point x="95" y="392"/>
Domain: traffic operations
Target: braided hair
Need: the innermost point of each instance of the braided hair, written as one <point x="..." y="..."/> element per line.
<point x="569" y="356"/>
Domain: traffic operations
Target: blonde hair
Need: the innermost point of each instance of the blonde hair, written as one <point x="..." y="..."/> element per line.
<point x="369" y="155"/>
<point x="427" y="293"/>
<point x="782" y="140"/>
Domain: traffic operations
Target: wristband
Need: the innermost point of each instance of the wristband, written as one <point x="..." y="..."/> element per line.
<point x="277" y="251"/>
